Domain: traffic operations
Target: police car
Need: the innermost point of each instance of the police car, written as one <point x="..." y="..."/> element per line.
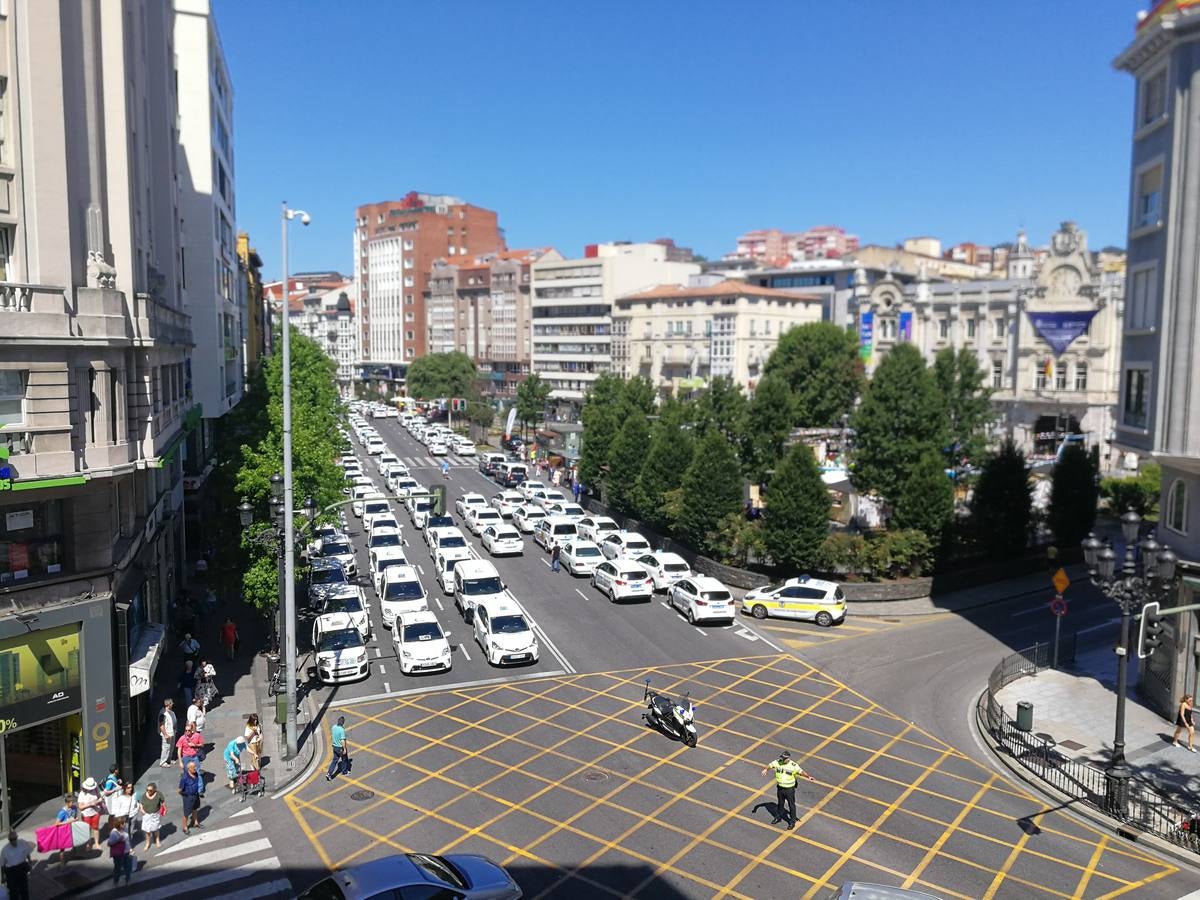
<point x="805" y="598"/>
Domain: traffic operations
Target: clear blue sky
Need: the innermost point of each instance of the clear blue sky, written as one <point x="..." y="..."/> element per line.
<point x="632" y="120"/>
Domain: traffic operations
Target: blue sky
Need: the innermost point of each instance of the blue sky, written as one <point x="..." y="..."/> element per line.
<point x="631" y="120"/>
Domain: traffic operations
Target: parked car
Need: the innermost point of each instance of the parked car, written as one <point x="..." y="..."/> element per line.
<point x="402" y="593"/>
<point x="809" y="599"/>
<point x="382" y="559"/>
<point x="349" y="599"/>
<point x="444" y="562"/>
<point x="665" y="568"/>
<point x="624" y="543"/>
<point x="324" y="574"/>
<point x="702" y="599"/>
<point x="444" y="538"/>
<point x="337" y="546"/>
<point x="502" y="540"/>
<point x="420" y="644"/>
<point x="468" y="500"/>
<point x="572" y="511"/>
<point x="479" y="519"/>
<point x="341" y="654"/>
<point x="455" y="876"/>
<point x="527" y="517"/>
<point x="506" y="501"/>
<point x="580" y="557"/>
<point x="622" y="579"/>
<point x="552" y="530"/>
<point x="597" y="528"/>
<point x="503" y="633"/>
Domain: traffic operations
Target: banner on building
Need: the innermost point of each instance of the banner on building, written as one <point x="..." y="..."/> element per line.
<point x="906" y="326"/>
<point x="866" y="337"/>
<point x="1060" y="329"/>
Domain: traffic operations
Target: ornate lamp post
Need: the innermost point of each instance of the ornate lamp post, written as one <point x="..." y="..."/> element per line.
<point x="1131" y="589"/>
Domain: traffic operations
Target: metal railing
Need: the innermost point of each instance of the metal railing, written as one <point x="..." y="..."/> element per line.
<point x="1147" y="807"/>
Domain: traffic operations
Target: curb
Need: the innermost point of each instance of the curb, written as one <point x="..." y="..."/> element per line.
<point x="1073" y="804"/>
<point x="315" y="743"/>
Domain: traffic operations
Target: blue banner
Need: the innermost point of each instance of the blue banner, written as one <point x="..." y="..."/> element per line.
<point x="866" y="336"/>
<point x="906" y="326"/>
<point x="1059" y="329"/>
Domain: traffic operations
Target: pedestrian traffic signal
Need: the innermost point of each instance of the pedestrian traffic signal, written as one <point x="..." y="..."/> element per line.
<point x="1150" y="630"/>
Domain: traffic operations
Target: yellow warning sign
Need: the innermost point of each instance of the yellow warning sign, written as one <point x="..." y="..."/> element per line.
<point x="1060" y="581"/>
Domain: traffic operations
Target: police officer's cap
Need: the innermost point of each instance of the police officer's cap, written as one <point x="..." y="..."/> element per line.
<point x="785" y="755"/>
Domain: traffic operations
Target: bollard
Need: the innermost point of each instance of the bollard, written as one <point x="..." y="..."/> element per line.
<point x="1024" y="716"/>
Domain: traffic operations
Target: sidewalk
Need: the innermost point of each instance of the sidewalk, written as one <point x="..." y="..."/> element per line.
<point x="242" y="683"/>
<point x="1077" y="709"/>
<point x="965" y="598"/>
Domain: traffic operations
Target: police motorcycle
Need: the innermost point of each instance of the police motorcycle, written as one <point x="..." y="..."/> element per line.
<point x="674" y="719"/>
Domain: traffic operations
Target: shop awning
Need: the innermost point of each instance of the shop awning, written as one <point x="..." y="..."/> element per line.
<point x="143" y="658"/>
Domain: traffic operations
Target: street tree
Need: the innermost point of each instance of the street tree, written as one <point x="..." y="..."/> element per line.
<point x="820" y="362"/>
<point x="532" y="394"/>
<point x="797" y="515"/>
<point x="1138" y="492"/>
<point x="625" y="459"/>
<point x="601" y="416"/>
<point x="1001" y="503"/>
<point x="1074" y="492"/>
<point x="710" y="491"/>
<point x="968" y="404"/>
<point x="926" y="501"/>
<point x="639" y="394"/>
<point x="768" y="424"/>
<point x="723" y="407"/>
<point x="441" y="375"/>
<point x="668" y="457"/>
<point x="900" y="419"/>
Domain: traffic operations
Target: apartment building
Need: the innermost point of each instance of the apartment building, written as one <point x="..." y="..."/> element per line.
<point x="682" y="336"/>
<point x="482" y="308"/>
<point x="773" y="247"/>
<point x="96" y="386"/>
<point x="327" y="317"/>
<point x="1048" y="338"/>
<point x="573" y="306"/>
<point x="258" y="323"/>
<point x="1158" y="413"/>
<point x="395" y="245"/>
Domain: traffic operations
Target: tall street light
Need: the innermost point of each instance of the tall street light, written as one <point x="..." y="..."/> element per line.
<point x="1131" y="590"/>
<point x="289" y="566"/>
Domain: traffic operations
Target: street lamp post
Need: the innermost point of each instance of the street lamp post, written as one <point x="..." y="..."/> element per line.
<point x="1131" y="590"/>
<point x="289" y="559"/>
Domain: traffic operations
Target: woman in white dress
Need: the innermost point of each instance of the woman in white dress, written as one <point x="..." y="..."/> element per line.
<point x="152" y="807"/>
<point x="124" y="805"/>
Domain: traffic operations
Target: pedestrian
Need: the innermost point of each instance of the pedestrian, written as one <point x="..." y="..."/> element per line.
<point x="556" y="478"/>
<point x="340" y="759"/>
<point x="206" y="681"/>
<point x="254" y="740"/>
<point x="196" y="713"/>
<point x="233" y="760"/>
<point x="112" y="787"/>
<point x="14" y="863"/>
<point x="68" y="814"/>
<point x="1183" y="719"/>
<point x="210" y="602"/>
<point x="785" y="772"/>
<point x="191" y="748"/>
<point x="190" y="784"/>
<point x="153" y="806"/>
<point x="120" y="851"/>
<point x="575" y="490"/>
<point x="229" y="637"/>
<point x="166" y="731"/>
<point x="189" y="646"/>
<point x="201" y="568"/>
<point x="91" y="805"/>
<point x="187" y="682"/>
<point x="124" y="805"/>
<point x="554" y="557"/>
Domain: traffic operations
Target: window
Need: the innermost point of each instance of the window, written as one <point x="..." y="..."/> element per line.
<point x="997" y="373"/>
<point x="1147" y="211"/>
<point x="943" y="329"/>
<point x="12" y="397"/>
<point x="1081" y="376"/>
<point x="1139" y="308"/>
<point x="1152" y="98"/>
<point x="1060" y="376"/>
<point x="998" y="328"/>
<point x="1136" y="400"/>
<point x="887" y="329"/>
<point x="1041" y="374"/>
<point x="970" y="329"/>
<point x="1177" y="506"/>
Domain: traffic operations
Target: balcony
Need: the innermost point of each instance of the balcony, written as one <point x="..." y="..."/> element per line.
<point x="42" y="313"/>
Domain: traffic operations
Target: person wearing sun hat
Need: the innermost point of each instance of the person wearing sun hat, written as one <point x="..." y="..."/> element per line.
<point x="90" y="806"/>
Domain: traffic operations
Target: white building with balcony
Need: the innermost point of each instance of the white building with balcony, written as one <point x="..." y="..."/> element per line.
<point x="328" y="317"/>
<point x="572" y="307"/>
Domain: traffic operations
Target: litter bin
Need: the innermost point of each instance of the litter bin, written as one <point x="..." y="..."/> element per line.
<point x="1024" y="716"/>
<point x="281" y="709"/>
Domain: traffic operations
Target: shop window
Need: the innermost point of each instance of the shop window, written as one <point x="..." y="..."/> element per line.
<point x="12" y="397"/>
<point x="31" y="541"/>
<point x="1177" y="506"/>
<point x="32" y="666"/>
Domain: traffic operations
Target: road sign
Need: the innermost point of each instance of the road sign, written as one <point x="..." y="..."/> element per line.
<point x="1058" y="605"/>
<point x="1060" y="581"/>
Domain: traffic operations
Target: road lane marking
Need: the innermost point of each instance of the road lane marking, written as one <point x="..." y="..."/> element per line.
<point x="382" y="670"/>
<point x="378" y="653"/>
<point x="208" y="837"/>
<point x="700" y="631"/>
<point x="1043" y="608"/>
<point x="386" y="686"/>
<point x="933" y="851"/>
<point x="462" y="648"/>
<point x="439" y="604"/>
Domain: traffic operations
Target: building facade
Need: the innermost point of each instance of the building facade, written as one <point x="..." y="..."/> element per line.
<point x="96" y="386"/>
<point x="773" y="247"/>
<point x="258" y="323"/>
<point x="572" y="307"/>
<point x="395" y="245"/>
<point x="1042" y="393"/>
<point x="682" y="336"/>
<point x="327" y="317"/>
<point x="1158" y="414"/>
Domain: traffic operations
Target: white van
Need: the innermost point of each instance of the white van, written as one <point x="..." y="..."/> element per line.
<point x="475" y="580"/>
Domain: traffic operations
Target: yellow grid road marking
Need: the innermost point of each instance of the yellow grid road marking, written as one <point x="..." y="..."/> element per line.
<point x="1090" y="869"/>
<point x="1008" y="864"/>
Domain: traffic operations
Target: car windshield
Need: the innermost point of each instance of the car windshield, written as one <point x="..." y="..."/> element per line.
<point x="507" y="536"/>
<point x="534" y="514"/>
<point x="424" y="505"/>
<point x="716" y="596"/>
<point x="635" y="574"/>
<point x="675" y="567"/>
<point x="838" y="595"/>
<point x="586" y="551"/>
<point x="637" y="545"/>
<point x="403" y="590"/>
<point x="482" y="586"/>
<point x="331" y="575"/>
<point x="384" y="564"/>
<point x="385" y="540"/>
<point x="509" y="625"/>
<point x="452" y="540"/>
<point x="371" y="509"/>
<point x="564" y="529"/>
<point x="335" y="549"/>
<point x="347" y="603"/>
<point x="572" y="510"/>
<point x="439" y="868"/>
<point x="440" y="521"/>
<point x="342" y="639"/>
<point x="422" y="631"/>
<point x="606" y="524"/>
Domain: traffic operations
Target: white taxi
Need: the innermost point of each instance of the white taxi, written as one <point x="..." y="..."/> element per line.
<point x="339" y="649"/>
<point x="809" y="599"/>
<point x="420" y="644"/>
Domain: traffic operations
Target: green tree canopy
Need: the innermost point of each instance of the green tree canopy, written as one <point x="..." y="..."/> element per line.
<point x="711" y="490"/>
<point x="967" y="401"/>
<point x="1137" y="492"/>
<point x="1000" y="505"/>
<point x="532" y="394"/>
<point x="1074" y="493"/>
<point x="797" y="515"/>
<point x="668" y="457"/>
<point x="820" y="362"/>
<point x="626" y="456"/>
<point x="768" y="424"/>
<point x="639" y="393"/>
<point x="926" y="501"/>
<point x="441" y="375"/>
<point x="723" y="407"/>
<point x="900" y="419"/>
<point x="601" y="416"/>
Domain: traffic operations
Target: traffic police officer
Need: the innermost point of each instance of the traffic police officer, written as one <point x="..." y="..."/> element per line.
<point x="786" y="771"/>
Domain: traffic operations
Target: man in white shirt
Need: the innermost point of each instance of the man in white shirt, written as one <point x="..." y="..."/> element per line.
<point x="195" y="713"/>
<point x="14" y="860"/>
<point x="166" y="731"/>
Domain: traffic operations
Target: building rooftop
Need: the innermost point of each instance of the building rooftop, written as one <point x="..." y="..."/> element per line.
<point x="728" y="288"/>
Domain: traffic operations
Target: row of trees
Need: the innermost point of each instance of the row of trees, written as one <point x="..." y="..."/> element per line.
<point x="440" y="376"/>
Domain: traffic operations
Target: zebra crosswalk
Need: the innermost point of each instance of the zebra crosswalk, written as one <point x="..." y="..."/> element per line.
<point x="235" y="860"/>
<point x="418" y="462"/>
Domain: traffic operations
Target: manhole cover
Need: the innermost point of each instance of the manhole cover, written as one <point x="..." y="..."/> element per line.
<point x="595" y="776"/>
<point x="362" y="795"/>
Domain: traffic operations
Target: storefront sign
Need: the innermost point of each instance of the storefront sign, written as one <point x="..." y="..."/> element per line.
<point x="1060" y="329"/>
<point x="21" y="519"/>
<point x="38" y="709"/>
<point x="144" y="656"/>
<point x="100" y="735"/>
<point x="906" y="326"/>
<point x="866" y="337"/>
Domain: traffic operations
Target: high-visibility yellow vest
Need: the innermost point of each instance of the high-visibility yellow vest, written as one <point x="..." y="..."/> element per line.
<point x="785" y="773"/>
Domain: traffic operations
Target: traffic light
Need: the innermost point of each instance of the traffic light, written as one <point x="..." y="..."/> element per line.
<point x="1150" y="630"/>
